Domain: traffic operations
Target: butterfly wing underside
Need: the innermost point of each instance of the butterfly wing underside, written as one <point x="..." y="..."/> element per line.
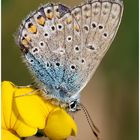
<point x="99" y="22"/>
<point x="63" y="47"/>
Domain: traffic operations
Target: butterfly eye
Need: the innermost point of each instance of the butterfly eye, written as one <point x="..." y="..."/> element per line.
<point x="72" y="105"/>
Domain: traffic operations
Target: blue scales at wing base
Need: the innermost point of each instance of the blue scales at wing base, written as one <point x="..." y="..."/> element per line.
<point x="57" y="82"/>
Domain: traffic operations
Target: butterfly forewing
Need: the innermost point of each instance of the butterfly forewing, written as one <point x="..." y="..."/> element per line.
<point x="63" y="47"/>
<point x="104" y="23"/>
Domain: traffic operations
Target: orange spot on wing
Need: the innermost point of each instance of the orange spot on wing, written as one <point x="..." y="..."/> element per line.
<point x="32" y="29"/>
<point x="24" y="42"/>
<point x="41" y="20"/>
<point x="50" y="15"/>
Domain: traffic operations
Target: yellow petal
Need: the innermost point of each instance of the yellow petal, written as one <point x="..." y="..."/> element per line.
<point x="23" y="130"/>
<point x="60" y="125"/>
<point x="7" y="100"/>
<point x="3" y="125"/>
<point x="31" y="107"/>
<point x="14" y="115"/>
<point x="7" y="135"/>
<point x="25" y="114"/>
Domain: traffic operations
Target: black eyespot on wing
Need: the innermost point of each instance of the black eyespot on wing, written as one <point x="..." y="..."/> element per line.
<point x="41" y="43"/>
<point x="82" y="60"/>
<point x="91" y="47"/>
<point x="105" y="34"/>
<point x="57" y="10"/>
<point x="46" y="34"/>
<point x="31" y="60"/>
<point x="100" y="27"/>
<point x="86" y="28"/>
<point x="29" y="25"/>
<point x="53" y="28"/>
<point x="60" y="26"/>
<point x="93" y="25"/>
<point x="39" y="16"/>
<point x="73" y="67"/>
<point x="48" y="64"/>
<point x="35" y="50"/>
<point x="57" y="64"/>
<point x="77" y="48"/>
<point x="69" y="38"/>
<point x="49" y="11"/>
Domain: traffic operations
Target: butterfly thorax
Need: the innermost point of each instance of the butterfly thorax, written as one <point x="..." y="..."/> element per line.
<point x="71" y="104"/>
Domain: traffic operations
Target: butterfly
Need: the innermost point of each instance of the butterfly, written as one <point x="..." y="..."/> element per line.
<point x="63" y="47"/>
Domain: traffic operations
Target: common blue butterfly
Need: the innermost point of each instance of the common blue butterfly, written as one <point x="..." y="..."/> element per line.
<point x="63" y="47"/>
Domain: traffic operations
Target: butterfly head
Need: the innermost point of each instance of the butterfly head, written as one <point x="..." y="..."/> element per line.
<point x="74" y="106"/>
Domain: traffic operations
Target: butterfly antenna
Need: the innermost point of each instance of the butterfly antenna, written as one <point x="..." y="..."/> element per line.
<point x="93" y="127"/>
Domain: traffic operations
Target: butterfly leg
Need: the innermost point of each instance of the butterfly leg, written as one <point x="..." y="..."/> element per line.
<point x="35" y="91"/>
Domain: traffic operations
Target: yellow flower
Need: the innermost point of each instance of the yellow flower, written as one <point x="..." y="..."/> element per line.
<point x="23" y="116"/>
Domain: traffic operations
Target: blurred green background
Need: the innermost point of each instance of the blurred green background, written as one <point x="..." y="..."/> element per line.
<point x="111" y="96"/>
